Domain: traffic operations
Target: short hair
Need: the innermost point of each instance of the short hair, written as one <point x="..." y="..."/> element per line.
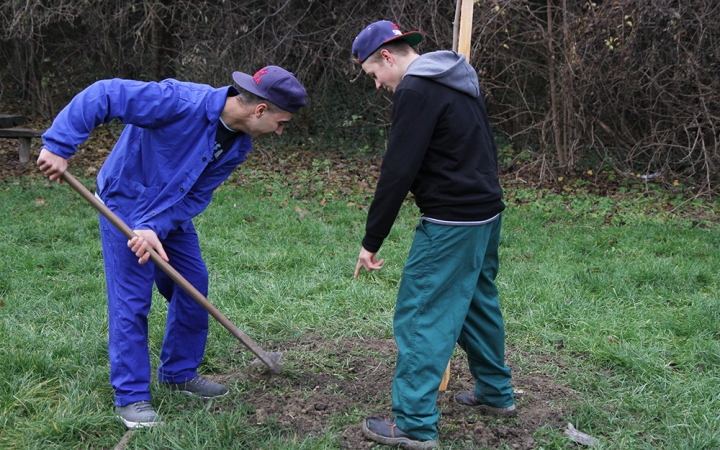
<point x="247" y="98"/>
<point x="398" y="46"/>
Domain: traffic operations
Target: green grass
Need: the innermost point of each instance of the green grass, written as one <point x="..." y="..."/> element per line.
<point x="628" y="288"/>
<point x="635" y="307"/>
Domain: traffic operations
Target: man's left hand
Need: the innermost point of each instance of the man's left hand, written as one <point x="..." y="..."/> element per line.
<point x="369" y="261"/>
<point x="144" y="239"/>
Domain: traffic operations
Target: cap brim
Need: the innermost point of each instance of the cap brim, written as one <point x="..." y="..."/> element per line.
<point x="411" y="37"/>
<point x="246" y="82"/>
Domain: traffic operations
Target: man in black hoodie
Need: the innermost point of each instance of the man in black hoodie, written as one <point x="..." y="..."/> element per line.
<point x="441" y="149"/>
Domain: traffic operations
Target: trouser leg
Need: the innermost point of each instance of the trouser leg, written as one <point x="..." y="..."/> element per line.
<point x="129" y="290"/>
<point x="483" y="334"/>
<point x="438" y="285"/>
<point x="187" y="322"/>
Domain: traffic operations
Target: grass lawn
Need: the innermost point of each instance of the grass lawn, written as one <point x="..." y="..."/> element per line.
<point x="616" y="295"/>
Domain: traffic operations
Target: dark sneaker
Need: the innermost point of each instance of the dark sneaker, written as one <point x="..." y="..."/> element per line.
<point x="137" y="415"/>
<point x="386" y="432"/>
<point x="201" y="387"/>
<point x="468" y="399"/>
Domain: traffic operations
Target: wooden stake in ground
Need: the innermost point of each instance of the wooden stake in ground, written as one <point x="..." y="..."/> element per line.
<point x="445" y="378"/>
<point x="465" y="34"/>
<point x="463" y="14"/>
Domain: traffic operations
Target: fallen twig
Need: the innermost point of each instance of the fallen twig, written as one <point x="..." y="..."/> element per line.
<point x="580" y="437"/>
<point x="124" y="441"/>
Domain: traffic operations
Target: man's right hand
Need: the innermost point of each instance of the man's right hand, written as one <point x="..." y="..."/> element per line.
<point x="51" y="164"/>
<point x="139" y="245"/>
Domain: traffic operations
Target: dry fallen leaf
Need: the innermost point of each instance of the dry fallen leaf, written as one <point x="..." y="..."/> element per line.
<point x="40" y="202"/>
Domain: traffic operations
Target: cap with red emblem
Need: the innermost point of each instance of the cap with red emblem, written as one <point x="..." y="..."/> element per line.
<point x="379" y="33"/>
<point x="275" y="84"/>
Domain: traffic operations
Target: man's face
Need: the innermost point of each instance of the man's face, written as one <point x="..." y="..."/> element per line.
<point x="267" y="123"/>
<point x="383" y="73"/>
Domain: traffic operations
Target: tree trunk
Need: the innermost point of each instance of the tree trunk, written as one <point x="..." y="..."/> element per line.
<point x="164" y="46"/>
<point x="562" y="160"/>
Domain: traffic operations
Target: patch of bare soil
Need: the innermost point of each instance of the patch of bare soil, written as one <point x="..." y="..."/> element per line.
<point x="322" y="380"/>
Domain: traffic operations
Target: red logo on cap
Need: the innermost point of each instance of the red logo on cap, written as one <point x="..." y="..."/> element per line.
<point x="258" y="76"/>
<point x="396" y="27"/>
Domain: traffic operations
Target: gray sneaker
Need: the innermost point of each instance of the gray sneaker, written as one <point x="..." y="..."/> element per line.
<point x="468" y="399"/>
<point x="137" y="415"/>
<point x="202" y="387"/>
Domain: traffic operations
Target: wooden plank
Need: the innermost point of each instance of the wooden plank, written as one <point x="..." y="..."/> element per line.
<point x="11" y="120"/>
<point x="465" y="34"/>
<point x="24" y="137"/>
<point x="20" y="132"/>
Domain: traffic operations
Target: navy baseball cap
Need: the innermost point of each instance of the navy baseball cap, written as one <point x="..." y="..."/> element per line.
<point x="379" y="33"/>
<point x="275" y="84"/>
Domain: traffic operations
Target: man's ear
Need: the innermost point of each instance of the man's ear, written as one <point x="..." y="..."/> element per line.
<point x="387" y="56"/>
<point x="261" y="109"/>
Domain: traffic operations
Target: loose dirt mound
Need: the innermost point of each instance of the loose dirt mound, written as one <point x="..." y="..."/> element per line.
<point x="326" y="380"/>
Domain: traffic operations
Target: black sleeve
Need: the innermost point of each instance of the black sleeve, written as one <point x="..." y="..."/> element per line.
<point x="413" y="124"/>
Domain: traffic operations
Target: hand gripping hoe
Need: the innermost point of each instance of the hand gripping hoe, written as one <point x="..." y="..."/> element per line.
<point x="271" y="360"/>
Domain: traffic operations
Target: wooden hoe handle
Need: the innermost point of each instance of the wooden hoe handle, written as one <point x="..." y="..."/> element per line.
<point x="265" y="357"/>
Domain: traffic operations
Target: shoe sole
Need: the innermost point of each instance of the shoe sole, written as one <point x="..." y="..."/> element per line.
<point x="133" y="425"/>
<point x="195" y="394"/>
<point x="492" y="411"/>
<point x="404" y="442"/>
<point x="488" y="410"/>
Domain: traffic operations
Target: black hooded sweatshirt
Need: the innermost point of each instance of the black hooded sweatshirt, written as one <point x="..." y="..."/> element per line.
<point x="440" y="148"/>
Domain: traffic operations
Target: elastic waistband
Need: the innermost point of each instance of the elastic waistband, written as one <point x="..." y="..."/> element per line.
<point x="456" y="223"/>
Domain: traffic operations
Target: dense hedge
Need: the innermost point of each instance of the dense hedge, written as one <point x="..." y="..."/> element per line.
<point x="629" y="84"/>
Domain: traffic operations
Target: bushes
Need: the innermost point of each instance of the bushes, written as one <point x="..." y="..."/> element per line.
<point x="629" y="81"/>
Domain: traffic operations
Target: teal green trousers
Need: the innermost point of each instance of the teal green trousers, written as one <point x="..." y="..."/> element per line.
<point x="448" y="295"/>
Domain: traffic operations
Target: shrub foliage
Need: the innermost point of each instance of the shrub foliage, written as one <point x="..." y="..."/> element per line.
<point x="628" y="84"/>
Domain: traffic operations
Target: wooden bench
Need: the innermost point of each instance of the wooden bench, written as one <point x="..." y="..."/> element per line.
<point x="8" y="122"/>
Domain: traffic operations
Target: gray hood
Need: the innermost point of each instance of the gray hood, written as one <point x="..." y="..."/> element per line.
<point x="448" y="68"/>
